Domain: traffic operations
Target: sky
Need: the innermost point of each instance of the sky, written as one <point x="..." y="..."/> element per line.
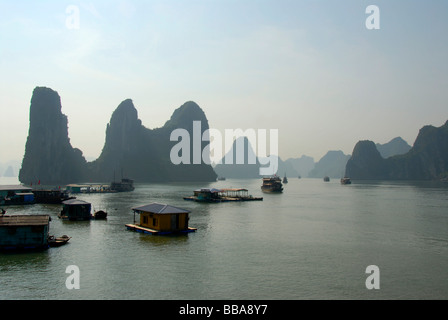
<point x="309" y="68"/>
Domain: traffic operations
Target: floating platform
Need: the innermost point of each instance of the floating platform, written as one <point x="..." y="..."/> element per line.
<point x="137" y="228"/>
<point x="221" y="195"/>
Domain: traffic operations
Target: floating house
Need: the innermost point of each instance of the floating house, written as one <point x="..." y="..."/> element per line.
<point x="159" y="219"/>
<point x="24" y="232"/>
<point x="15" y="195"/>
<point x="76" y="210"/>
<point x="213" y="195"/>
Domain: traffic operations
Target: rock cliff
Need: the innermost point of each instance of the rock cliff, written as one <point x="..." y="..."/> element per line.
<point x="144" y="154"/>
<point x="426" y="160"/>
<point x="394" y="147"/>
<point x="49" y="156"/>
<point x="332" y="164"/>
<point x="130" y="149"/>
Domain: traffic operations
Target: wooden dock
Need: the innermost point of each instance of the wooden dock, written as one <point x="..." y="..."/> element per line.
<point x="137" y="228"/>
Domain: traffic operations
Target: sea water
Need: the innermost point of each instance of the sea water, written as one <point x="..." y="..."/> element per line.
<point x="313" y="241"/>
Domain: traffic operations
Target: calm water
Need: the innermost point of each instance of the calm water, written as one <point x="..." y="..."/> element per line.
<point x="314" y="241"/>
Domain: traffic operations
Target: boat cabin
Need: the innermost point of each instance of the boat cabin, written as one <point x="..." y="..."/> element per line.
<point x="76" y="210"/>
<point x="207" y="195"/>
<point x="24" y="232"/>
<point x="156" y="218"/>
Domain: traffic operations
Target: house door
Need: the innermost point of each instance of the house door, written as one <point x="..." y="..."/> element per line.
<point x="174" y="222"/>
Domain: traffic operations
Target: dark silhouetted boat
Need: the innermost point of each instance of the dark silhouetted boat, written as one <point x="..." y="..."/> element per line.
<point x="100" y="215"/>
<point x="272" y="185"/>
<point x="125" y="185"/>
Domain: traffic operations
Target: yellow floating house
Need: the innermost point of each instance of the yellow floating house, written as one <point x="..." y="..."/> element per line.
<point x="158" y="219"/>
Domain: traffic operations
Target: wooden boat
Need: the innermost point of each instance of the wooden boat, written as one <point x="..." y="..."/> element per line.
<point x="57" y="242"/>
<point x="285" y="180"/>
<point x="346" y="180"/>
<point x="327" y="179"/>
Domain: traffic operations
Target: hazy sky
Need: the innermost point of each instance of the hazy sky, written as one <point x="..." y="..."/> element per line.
<point x="308" y="68"/>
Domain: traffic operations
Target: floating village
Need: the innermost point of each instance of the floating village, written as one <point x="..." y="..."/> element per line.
<point x="32" y="232"/>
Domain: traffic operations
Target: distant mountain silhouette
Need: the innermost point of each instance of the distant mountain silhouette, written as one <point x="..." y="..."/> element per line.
<point x="239" y="171"/>
<point x="144" y="154"/>
<point x="9" y="172"/>
<point x="331" y="164"/>
<point x="10" y="168"/>
<point x="140" y="153"/>
<point x="302" y="165"/>
<point x="394" y="147"/>
<point x="247" y="170"/>
<point x="426" y="160"/>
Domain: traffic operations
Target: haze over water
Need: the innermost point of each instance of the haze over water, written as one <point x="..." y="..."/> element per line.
<point x="314" y="241"/>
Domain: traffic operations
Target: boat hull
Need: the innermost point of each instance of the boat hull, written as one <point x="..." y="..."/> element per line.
<point x="265" y="190"/>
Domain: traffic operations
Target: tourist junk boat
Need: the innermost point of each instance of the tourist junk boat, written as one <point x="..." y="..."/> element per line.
<point x="285" y="180"/>
<point x="272" y="185"/>
<point x="327" y="179"/>
<point x="346" y="180"/>
<point x="221" y="195"/>
<point x="124" y="185"/>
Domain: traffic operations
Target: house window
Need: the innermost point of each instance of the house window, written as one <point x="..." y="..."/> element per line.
<point x="145" y="220"/>
<point x="154" y="222"/>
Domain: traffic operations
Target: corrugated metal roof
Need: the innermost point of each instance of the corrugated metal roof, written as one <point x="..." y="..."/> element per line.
<point x="160" y="209"/>
<point x="24" y="220"/>
<point x="75" y="202"/>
